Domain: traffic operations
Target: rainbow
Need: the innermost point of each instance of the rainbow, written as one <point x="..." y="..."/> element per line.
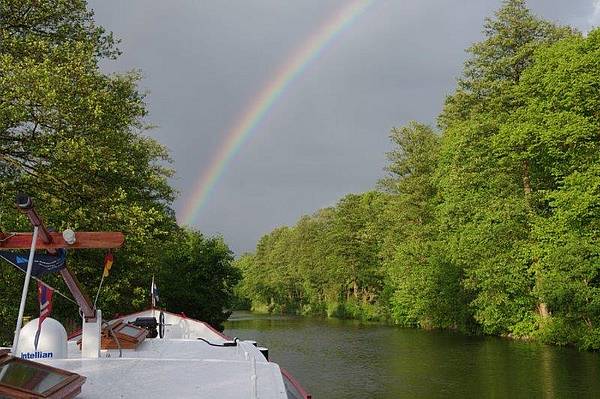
<point x="263" y="102"/>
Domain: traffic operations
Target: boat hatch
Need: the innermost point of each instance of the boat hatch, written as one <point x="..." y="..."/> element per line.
<point x="20" y="378"/>
<point x="129" y="336"/>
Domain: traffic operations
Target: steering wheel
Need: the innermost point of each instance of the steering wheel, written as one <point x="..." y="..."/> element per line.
<point x="161" y="325"/>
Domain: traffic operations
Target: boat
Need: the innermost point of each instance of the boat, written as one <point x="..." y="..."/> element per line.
<point x="154" y="353"/>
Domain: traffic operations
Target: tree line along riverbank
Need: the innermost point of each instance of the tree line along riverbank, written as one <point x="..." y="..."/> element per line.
<point x="487" y="223"/>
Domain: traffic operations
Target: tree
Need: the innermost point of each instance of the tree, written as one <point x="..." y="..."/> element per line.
<point x="197" y="277"/>
<point x="356" y="241"/>
<point x="425" y="287"/>
<point x="486" y="209"/>
<point x="555" y="130"/>
<point x="72" y="137"/>
<point x="496" y="63"/>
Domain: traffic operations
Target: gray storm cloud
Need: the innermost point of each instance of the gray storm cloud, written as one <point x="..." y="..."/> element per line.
<point x="204" y="61"/>
<point x="595" y="17"/>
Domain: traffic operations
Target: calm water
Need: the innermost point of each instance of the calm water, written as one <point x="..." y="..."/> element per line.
<point x="348" y="359"/>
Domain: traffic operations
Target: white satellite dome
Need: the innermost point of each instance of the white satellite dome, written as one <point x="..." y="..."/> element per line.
<point x="52" y="342"/>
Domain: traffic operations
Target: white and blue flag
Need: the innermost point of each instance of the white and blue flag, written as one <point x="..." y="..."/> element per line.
<point x="154" y="293"/>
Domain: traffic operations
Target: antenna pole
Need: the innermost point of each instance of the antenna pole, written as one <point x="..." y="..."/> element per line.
<point x="25" y="289"/>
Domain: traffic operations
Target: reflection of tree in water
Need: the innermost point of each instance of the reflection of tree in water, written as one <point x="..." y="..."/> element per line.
<point x="345" y="359"/>
<point x="547" y="362"/>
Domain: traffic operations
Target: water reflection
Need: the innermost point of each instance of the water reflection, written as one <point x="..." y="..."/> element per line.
<point x="348" y="359"/>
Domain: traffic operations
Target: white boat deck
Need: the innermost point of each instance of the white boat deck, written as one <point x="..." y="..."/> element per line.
<point x="177" y="366"/>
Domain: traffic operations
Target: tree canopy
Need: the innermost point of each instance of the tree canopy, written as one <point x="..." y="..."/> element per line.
<point x="489" y="224"/>
<point x="76" y="140"/>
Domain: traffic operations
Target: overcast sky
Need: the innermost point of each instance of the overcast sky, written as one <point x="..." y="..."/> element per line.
<point x="204" y="61"/>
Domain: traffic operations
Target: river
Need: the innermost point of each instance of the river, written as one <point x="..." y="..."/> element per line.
<point x="335" y="359"/>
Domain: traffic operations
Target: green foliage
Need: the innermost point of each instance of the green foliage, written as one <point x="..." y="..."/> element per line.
<point x="560" y="119"/>
<point x="491" y="225"/>
<point x="328" y="263"/>
<point x="490" y="189"/>
<point x="426" y="287"/>
<point x="74" y="139"/>
<point x="198" y="277"/>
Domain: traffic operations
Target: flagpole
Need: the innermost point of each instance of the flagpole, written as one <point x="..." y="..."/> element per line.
<point x="108" y="261"/>
<point x="25" y="289"/>
<point x="152" y="293"/>
<point x="99" y="288"/>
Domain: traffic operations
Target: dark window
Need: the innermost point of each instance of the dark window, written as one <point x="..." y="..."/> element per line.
<point x="20" y="378"/>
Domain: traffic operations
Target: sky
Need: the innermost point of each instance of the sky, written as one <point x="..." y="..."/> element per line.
<point x="205" y="62"/>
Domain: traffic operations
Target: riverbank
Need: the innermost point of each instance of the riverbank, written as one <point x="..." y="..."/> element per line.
<point x="373" y="314"/>
<point x="351" y="310"/>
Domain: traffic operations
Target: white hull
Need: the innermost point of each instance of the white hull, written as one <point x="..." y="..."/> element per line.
<point x="177" y="366"/>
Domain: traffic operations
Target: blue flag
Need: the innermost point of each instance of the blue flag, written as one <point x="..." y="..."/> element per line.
<point x="42" y="263"/>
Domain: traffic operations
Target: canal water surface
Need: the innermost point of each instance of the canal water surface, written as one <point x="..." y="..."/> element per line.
<point x="335" y="359"/>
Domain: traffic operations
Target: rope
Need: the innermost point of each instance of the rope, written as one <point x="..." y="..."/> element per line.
<point x="224" y="345"/>
<point x="52" y="288"/>
<point x="110" y="329"/>
<point x="58" y="292"/>
<point x="7" y="237"/>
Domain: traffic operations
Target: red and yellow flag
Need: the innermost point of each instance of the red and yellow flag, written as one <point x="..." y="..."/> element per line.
<point x="108" y="262"/>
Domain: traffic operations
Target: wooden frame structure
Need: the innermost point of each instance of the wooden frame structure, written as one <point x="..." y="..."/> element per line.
<point x="26" y="375"/>
<point x="85" y="239"/>
<point x="128" y="335"/>
<point x="51" y="241"/>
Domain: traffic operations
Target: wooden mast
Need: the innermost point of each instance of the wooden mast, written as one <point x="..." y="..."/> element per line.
<point x="52" y="241"/>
